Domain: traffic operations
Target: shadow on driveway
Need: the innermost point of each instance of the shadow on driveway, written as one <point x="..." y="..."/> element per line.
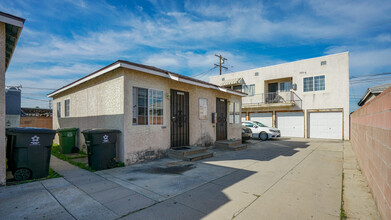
<point x="207" y="188"/>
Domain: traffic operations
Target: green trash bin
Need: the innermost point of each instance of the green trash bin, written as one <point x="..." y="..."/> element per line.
<point x="101" y="147"/>
<point x="68" y="140"/>
<point x="28" y="152"/>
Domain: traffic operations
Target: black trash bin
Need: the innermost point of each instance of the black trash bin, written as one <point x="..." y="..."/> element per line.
<point x="28" y="152"/>
<point x="101" y="147"/>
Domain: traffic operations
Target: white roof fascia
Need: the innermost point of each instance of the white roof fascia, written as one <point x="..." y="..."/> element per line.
<point x="153" y="72"/>
<point x="86" y="79"/>
<point x="133" y="67"/>
<point x="176" y="78"/>
<point x="11" y="21"/>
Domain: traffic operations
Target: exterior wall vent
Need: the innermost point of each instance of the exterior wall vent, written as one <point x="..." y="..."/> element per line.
<point x="322" y="63"/>
<point x="256" y="74"/>
<point x="223" y="79"/>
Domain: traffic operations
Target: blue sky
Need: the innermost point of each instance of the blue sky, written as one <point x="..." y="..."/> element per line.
<point x="65" y="40"/>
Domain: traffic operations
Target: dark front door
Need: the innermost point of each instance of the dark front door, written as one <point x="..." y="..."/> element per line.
<point x="272" y="92"/>
<point x="221" y="126"/>
<point x="179" y="118"/>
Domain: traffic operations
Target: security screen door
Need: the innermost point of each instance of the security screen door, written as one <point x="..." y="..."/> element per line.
<point x="179" y="118"/>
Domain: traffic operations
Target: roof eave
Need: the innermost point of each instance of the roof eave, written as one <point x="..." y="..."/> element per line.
<point x="156" y="72"/>
<point x="18" y="23"/>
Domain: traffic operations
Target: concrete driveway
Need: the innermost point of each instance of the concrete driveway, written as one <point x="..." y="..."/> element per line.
<point x="280" y="179"/>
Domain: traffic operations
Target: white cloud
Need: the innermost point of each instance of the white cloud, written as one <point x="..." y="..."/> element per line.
<point x="57" y="71"/>
<point x="383" y="38"/>
<point x="365" y="59"/>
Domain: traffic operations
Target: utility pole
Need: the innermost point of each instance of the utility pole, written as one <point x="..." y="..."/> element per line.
<point x="221" y="62"/>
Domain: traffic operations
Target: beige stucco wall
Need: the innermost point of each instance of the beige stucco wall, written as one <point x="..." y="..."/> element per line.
<point x="147" y="138"/>
<point x="2" y="105"/>
<point x="97" y="103"/>
<point x="335" y="95"/>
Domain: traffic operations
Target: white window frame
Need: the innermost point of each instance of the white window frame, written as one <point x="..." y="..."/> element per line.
<point x="149" y="122"/>
<point x="313" y="83"/>
<point x="148" y="107"/>
<point x="65" y="108"/>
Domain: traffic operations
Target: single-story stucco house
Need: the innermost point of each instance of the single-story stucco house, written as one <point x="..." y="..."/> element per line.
<point x="155" y="109"/>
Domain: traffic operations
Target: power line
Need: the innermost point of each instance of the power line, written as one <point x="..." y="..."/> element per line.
<point x="205" y="72"/>
<point x="369" y="75"/>
<point x="373" y="80"/>
<point x="38" y="88"/>
<point x="42" y="100"/>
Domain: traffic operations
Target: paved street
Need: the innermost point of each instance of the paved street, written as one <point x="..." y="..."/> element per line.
<point x="284" y="179"/>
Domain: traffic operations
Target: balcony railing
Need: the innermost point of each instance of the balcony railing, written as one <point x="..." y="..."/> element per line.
<point x="273" y="98"/>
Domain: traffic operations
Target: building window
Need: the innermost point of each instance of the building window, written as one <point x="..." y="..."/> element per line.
<point x="67" y="107"/>
<point x="256" y="74"/>
<point x="223" y="79"/>
<point x="58" y="109"/>
<point x="285" y="86"/>
<point x="234" y="113"/>
<point x="308" y="84"/>
<point x="322" y="63"/>
<point x="147" y="106"/>
<point x="155" y="105"/>
<point x="140" y="110"/>
<point x="237" y="88"/>
<point x="249" y="89"/>
<point x="319" y="83"/>
<point x="316" y="83"/>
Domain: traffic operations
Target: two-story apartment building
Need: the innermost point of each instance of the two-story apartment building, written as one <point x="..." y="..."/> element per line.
<point x="306" y="98"/>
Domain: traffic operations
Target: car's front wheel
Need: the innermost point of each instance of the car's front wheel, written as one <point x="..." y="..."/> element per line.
<point x="263" y="136"/>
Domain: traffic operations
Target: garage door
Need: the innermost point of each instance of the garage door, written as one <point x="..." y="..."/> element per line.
<point x="264" y="118"/>
<point x="243" y="116"/>
<point x="291" y="124"/>
<point x="325" y="125"/>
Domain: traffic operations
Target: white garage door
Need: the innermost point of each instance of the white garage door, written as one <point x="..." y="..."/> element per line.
<point x="325" y="125"/>
<point x="291" y="124"/>
<point x="243" y="116"/>
<point x="264" y="118"/>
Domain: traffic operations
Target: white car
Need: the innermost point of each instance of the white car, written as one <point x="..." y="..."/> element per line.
<point x="261" y="131"/>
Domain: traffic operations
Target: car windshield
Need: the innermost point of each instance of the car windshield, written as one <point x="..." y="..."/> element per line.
<point x="259" y="124"/>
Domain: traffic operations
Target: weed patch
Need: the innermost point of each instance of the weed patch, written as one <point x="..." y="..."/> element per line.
<point x="56" y="151"/>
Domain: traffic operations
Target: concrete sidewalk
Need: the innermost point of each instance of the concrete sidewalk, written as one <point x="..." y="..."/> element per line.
<point x="283" y="179"/>
<point x="79" y="195"/>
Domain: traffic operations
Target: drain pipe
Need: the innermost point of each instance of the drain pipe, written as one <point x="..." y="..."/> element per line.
<point x="78" y="139"/>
